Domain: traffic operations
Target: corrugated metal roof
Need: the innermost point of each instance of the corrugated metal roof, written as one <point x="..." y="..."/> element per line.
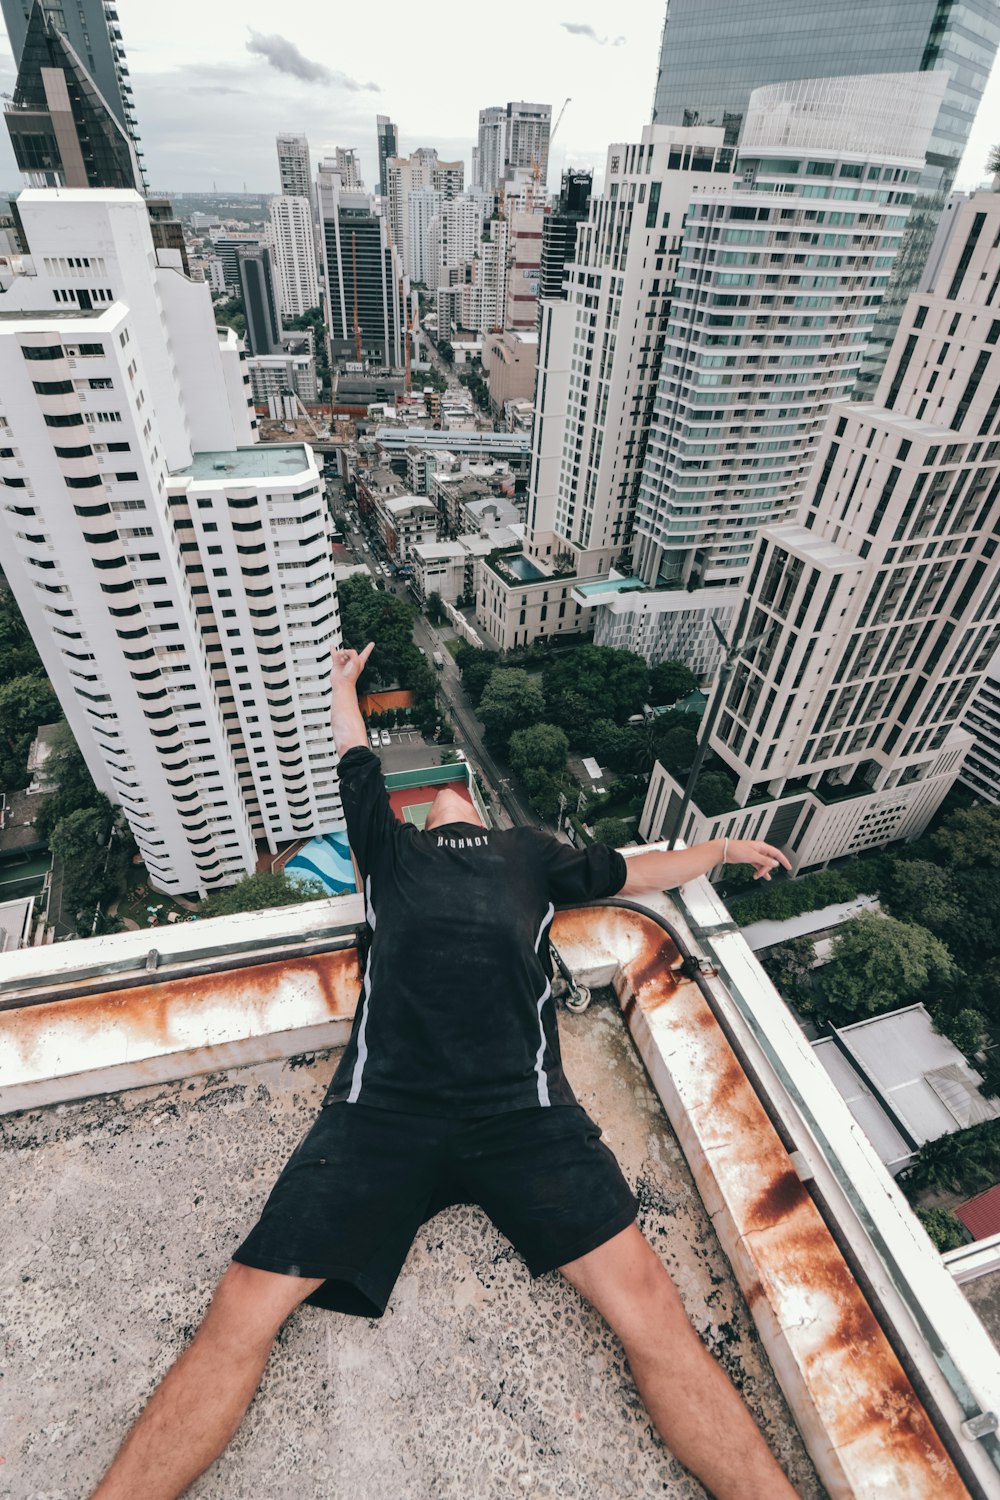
<point x="981" y="1215"/>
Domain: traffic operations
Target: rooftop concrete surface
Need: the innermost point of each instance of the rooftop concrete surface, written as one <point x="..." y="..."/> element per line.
<point x="121" y="1212"/>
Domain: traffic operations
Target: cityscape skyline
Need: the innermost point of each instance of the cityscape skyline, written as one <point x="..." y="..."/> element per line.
<point x="611" y="87"/>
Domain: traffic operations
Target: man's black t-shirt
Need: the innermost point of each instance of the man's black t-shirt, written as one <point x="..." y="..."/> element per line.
<point x="455" y="1015"/>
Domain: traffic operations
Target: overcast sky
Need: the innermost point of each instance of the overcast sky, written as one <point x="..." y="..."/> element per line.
<point x="215" y="81"/>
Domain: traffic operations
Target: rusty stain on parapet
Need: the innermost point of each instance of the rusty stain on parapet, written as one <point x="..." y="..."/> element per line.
<point x="152" y="1031"/>
<point x="865" y="1426"/>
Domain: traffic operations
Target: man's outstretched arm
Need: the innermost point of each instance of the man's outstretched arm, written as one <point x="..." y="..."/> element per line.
<point x="348" y="726"/>
<point x="663" y="870"/>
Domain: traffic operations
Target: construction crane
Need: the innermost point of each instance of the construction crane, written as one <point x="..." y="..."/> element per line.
<point x="354" y="273"/>
<point x="536" y="167"/>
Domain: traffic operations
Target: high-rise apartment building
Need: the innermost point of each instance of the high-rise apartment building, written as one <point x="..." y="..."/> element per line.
<point x="981" y="769"/>
<point x="778" y="287"/>
<point x="63" y="131"/>
<point x="879" y="607"/>
<point x="259" y="291"/>
<point x="404" y="177"/>
<point x="776" y="293"/>
<point x="387" y="143"/>
<point x="491" y="149"/>
<point x="714" y="55"/>
<point x="559" y="232"/>
<point x="93" y="32"/>
<point x="293" y="166"/>
<point x="423" y="214"/>
<point x="293" y="251"/>
<point x="598" y="362"/>
<point x="455" y="236"/>
<point x="524" y="269"/>
<point x="366" y="288"/>
<point x="175" y="577"/>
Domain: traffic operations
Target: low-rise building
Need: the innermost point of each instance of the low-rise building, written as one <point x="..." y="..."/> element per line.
<point x="454" y="570"/>
<point x="276" y="374"/>
<point x="404" y="521"/>
<point x="521" y="600"/>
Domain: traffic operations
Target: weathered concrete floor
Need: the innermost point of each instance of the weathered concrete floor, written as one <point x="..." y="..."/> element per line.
<point x="120" y="1213"/>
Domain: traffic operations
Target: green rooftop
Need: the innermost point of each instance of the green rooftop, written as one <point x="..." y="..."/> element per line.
<point x="265" y="461"/>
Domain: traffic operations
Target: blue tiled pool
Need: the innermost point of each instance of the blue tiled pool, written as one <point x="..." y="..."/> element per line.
<point x="523" y="568"/>
<point x="326" y="859"/>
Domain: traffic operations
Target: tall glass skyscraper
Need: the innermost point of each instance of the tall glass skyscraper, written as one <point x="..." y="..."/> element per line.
<point x="716" y="52"/>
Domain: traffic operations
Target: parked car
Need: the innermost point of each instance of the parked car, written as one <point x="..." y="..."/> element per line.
<point x="374" y="739"/>
<point x="385" y="737"/>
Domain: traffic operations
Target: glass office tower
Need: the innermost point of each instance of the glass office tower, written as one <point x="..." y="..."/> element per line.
<point x="716" y="52"/>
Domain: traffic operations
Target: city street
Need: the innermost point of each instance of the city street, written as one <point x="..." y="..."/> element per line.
<point x="468" y="734"/>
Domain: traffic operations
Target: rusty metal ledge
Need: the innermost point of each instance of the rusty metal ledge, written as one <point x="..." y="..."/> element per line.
<point x="867" y="1432"/>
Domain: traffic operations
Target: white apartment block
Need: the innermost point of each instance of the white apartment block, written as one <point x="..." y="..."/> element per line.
<point x="484" y="294"/>
<point x="599" y="351"/>
<point x="174" y="576"/>
<point x="276" y="374"/>
<point x="423" y="210"/>
<point x="981" y="770"/>
<point x="775" y="294"/>
<point x="456" y="234"/>
<point x="293" y="166"/>
<point x="879" y="607"/>
<point x="293" y="247"/>
<point x="491" y="151"/>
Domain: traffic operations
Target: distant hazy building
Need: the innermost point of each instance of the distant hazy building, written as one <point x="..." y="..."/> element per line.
<point x="879" y="607"/>
<point x="524" y="260"/>
<point x="349" y="167"/>
<point x="293" y="166"/>
<point x="491" y="148"/>
<point x="559" y="232"/>
<point x="713" y="56"/>
<point x="387" y="142"/>
<point x="366" y="288"/>
<point x="455" y="236"/>
<point x="405" y="177"/>
<point x="294" y="250"/>
<point x="227" y="250"/>
<point x="513" y="144"/>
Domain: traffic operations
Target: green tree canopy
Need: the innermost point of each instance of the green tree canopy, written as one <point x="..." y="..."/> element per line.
<point x="258" y="892"/>
<point x="607" y="683"/>
<point x="614" y="831"/>
<point x="543" y="789"/>
<point x="713" y="793"/>
<point x="945" y="1229"/>
<point x="435" y="608"/>
<point x="879" y="964"/>
<point x="25" y="703"/>
<point x="541" y="747"/>
<point x="917" y="890"/>
<point x="511" y="700"/>
<point x="367" y="615"/>
<point x="670" y="680"/>
<point x="476" y="666"/>
<point x="677" y="749"/>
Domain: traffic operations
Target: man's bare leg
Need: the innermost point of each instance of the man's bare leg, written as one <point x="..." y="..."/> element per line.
<point x="694" y="1407"/>
<point x="200" y="1402"/>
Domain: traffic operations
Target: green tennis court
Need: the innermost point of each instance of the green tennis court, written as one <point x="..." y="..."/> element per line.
<point x="416" y="813"/>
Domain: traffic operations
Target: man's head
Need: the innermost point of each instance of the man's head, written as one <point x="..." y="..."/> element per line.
<point x="449" y="806"/>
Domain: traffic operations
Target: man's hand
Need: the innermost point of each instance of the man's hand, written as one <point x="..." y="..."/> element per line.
<point x="346" y="666"/>
<point x="763" y="857"/>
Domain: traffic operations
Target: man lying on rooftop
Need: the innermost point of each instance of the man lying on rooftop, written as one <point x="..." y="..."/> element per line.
<point x="451" y="1090"/>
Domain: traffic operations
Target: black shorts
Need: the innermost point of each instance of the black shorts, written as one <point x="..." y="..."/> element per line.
<point x="354" y="1193"/>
